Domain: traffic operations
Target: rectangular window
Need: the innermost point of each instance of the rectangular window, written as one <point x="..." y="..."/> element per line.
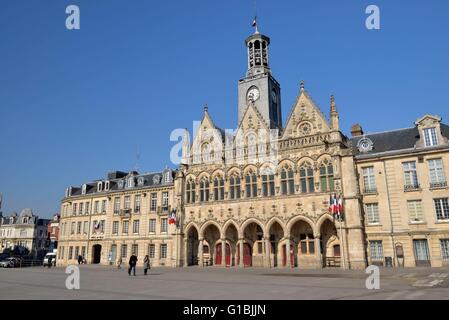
<point x="376" y="250"/>
<point x="74" y="209"/>
<point x="115" y="227"/>
<point x="83" y="251"/>
<point x="77" y="252"/>
<point x="152" y="251"/>
<point x="96" y="207"/>
<point x="442" y="208"/>
<point x="103" y="206"/>
<point x="165" y="200"/>
<point x="70" y="253"/>
<point x="268" y="185"/>
<point x="163" y="251"/>
<point x="153" y="202"/>
<point x="116" y="205"/>
<point x="436" y="173"/>
<point x="369" y="181"/>
<point x="78" y="228"/>
<point x="445" y="249"/>
<point x="80" y="210"/>
<point x="124" y="251"/>
<point x="164" y="225"/>
<point x="137" y="203"/>
<point x="430" y="137"/>
<point x="136" y="224"/>
<point x="372" y="213"/>
<point x="125" y="227"/>
<point x="72" y="230"/>
<point x="86" y="208"/>
<point x="152" y="226"/>
<point x="86" y="223"/>
<point x="410" y="175"/>
<point x="135" y="249"/>
<point x="127" y="203"/>
<point x="415" y="211"/>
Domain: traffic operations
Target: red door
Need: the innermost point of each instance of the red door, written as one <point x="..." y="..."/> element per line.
<point x="247" y="255"/>
<point x="238" y="254"/>
<point x="218" y="254"/>
<point x="228" y="255"/>
<point x="284" y="255"/>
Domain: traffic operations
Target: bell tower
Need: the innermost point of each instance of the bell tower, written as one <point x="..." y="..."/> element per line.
<point x="259" y="86"/>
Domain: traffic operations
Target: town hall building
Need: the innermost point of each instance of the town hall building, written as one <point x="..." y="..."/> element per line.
<point x="259" y="196"/>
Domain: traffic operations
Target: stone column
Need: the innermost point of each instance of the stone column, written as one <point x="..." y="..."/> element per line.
<point x="267" y="253"/>
<point x="287" y="252"/>
<point x="319" y="256"/>
<point x="200" y="252"/>
<point x="186" y="252"/>
<point x="241" y="265"/>
<point x="223" y="253"/>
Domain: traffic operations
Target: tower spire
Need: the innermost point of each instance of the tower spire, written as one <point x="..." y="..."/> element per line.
<point x="335" y="121"/>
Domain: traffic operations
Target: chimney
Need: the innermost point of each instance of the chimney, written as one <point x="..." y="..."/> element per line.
<point x="356" y="130"/>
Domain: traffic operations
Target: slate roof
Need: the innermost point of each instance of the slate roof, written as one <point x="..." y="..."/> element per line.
<point x="391" y="141"/>
<point x="118" y="181"/>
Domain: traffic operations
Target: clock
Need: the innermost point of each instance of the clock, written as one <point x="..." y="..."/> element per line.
<point x="253" y="94"/>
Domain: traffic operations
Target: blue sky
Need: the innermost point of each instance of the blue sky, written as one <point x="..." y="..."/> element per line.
<point x="76" y="104"/>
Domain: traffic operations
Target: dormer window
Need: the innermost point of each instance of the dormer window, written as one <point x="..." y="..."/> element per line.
<point x="430" y="137"/>
<point x="121" y="183"/>
<point x="140" y="181"/>
<point x="167" y="177"/>
<point x="106" y="186"/>
<point x="83" y="191"/>
<point x="100" y="186"/>
<point x="130" y="183"/>
<point x="11" y="220"/>
<point x="25" y="220"/>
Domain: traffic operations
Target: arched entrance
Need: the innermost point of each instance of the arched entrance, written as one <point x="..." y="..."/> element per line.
<point x="330" y="244"/>
<point x="211" y="237"/>
<point x="96" y="254"/>
<point x="253" y="248"/>
<point x="276" y="233"/>
<point x="303" y="245"/>
<point x="231" y="235"/>
<point x="192" y="247"/>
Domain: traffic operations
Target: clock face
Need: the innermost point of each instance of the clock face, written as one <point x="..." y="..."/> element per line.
<point x="253" y="94"/>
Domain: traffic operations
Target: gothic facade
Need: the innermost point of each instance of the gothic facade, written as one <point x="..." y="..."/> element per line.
<point x="259" y="195"/>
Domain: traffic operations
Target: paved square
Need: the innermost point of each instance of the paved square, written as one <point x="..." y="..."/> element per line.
<point x="101" y="282"/>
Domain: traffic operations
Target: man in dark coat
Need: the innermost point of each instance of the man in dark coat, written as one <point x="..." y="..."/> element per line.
<point x="132" y="264"/>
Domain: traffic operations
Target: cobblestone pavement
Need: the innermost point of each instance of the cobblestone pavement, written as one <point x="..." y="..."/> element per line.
<point x="101" y="282"/>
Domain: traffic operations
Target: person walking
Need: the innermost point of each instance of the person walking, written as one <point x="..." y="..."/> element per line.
<point x="50" y="261"/>
<point x="80" y="259"/>
<point x="146" y="264"/>
<point x="132" y="265"/>
<point x="119" y="263"/>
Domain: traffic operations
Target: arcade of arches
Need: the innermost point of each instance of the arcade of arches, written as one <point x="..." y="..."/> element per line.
<point x="254" y="244"/>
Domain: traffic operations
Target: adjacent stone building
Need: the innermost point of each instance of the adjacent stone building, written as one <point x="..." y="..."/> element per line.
<point x="23" y="231"/>
<point x="260" y="195"/>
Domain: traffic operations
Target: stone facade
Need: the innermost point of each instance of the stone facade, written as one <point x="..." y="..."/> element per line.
<point x="259" y="196"/>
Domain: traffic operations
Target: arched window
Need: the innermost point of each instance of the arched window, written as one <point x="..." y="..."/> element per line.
<point x="204" y="190"/>
<point x="218" y="188"/>
<point x="306" y="177"/>
<point x="190" y="191"/>
<point x="234" y="187"/>
<point x="251" y="185"/>
<point x="287" y="181"/>
<point x="268" y="185"/>
<point x="327" y="176"/>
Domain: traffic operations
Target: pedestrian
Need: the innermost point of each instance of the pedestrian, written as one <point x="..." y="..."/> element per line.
<point x="119" y="263"/>
<point x="50" y="261"/>
<point x="132" y="265"/>
<point x="146" y="264"/>
<point x="80" y="259"/>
